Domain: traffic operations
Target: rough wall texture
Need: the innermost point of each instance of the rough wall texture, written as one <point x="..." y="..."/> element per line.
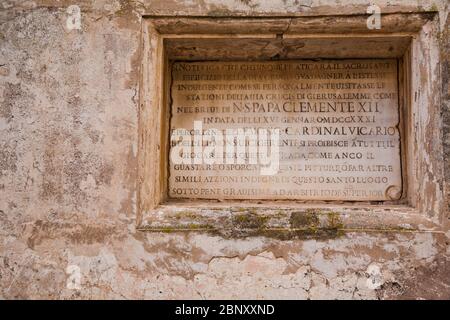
<point x="68" y="158"/>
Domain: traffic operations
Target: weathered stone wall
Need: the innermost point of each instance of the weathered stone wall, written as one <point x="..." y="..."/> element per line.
<point x="68" y="161"/>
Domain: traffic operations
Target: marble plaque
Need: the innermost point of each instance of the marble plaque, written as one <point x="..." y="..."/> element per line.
<point x="297" y="130"/>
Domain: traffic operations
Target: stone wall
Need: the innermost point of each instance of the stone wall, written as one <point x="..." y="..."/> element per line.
<point x="68" y="168"/>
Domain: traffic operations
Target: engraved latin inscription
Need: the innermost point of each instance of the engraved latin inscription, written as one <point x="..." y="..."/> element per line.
<point x="298" y="130"/>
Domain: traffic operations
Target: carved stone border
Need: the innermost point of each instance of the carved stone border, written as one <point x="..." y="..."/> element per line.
<point x="419" y="88"/>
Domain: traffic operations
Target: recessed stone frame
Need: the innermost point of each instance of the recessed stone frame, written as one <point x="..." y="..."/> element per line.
<point x="411" y="38"/>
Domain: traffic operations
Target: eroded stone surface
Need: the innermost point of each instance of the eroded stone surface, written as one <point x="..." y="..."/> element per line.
<point x="68" y="200"/>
